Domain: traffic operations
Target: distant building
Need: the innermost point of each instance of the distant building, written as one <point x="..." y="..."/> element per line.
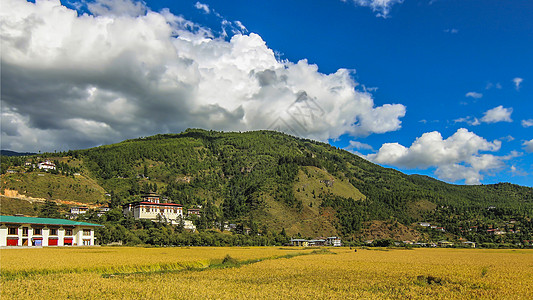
<point x="317" y="242"/>
<point x="470" y="244"/>
<point x="189" y="225"/>
<point x="25" y="231"/>
<point x="78" y="210"/>
<point x="102" y="210"/>
<point x="444" y="244"/>
<point x="193" y="212"/>
<point x="333" y="241"/>
<point x="424" y="224"/>
<point x="299" y="242"/>
<point x="150" y="208"/>
<point x="46" y="165"/>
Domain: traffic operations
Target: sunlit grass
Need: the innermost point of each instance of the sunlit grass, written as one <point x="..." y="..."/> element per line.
<point x="266" y="273"/>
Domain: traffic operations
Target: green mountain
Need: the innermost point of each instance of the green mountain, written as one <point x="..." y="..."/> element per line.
<point x="274" y="181"/>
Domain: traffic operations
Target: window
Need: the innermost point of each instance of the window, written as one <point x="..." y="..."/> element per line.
<point x="68" y="231"/>
<point x="25" y="231"/>
<point x="86" y="232"/>
<point x="37" y="231"/>
<point x="53" y="231"/>
<point x="13" y="230"/>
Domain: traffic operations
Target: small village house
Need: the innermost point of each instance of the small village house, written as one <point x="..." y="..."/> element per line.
<point x="193" y="212"/>
<point x="28" y="231"/>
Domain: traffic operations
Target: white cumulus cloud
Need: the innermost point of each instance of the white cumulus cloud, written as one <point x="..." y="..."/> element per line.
<point x="474" y="95"/>
<point x="117" y="8"/>
<point x="497" y="114"/>
<point x="528" y="145"/>
<point x="202" y="6"/>
<point x="456" y="158"/>
<point x="380" y="7"/>
<point x="517" y="82"/>
<point x="73" y="80"/>
<point x="358" y="145"/>
<point x="527" y="123"/>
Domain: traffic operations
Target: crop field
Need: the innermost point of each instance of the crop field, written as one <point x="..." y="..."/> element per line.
<point x="265" y="273"/>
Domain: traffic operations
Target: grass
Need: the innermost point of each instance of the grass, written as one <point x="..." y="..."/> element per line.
<point x="11" y="206"/>
<point x="56" y="187"/>
<point x="265" y="273"/>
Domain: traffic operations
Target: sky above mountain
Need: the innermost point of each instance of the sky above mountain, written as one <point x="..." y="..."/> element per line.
<point x="436" y="87"/>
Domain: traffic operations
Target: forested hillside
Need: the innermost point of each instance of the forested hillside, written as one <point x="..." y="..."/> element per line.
<point x="269" y="181"/>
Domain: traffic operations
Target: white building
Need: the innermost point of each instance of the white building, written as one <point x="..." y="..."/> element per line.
<point x="151" y="209"/>
<point x="78" y="210"/>
<point x="46" y="165"/>
<point x="334" y="241"/>
<point x="26" y="231"/>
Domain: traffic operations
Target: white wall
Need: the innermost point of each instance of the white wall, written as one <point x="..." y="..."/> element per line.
<point x="3" y="236"/>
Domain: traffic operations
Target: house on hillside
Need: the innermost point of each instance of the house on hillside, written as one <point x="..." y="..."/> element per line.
<point x="78" y="210"/>
<point x="193" y="211"/>
<point x="46" y="165"/>
<point x="150" y="208"/>
<point x="25" y="231"/>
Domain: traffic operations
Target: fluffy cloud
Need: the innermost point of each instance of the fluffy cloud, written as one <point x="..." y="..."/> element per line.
<point x="117" y="8"/>
<point x="517" y="81"/>
<point x="380" y="7"/>
<point x="497" y="114"/>
<point x="359" y="145"/>
<point x="527" y="123"/>
<point x="203" y="7"/>
<point x="474" y="95"/>
<point x="456" y="158"/>
<point x="71" y="81"/>
<point x="469" y="120"/>
<point x="528" y="145"/>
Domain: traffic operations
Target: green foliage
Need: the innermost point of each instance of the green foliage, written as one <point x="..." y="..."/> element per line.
<point x="244" y="178"/>
<point x="49" y="210"/>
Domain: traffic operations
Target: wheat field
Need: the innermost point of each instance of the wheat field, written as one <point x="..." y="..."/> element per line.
<point x="265" y="273"/>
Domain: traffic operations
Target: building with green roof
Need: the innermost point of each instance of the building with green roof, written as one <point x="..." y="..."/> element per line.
<point x="29" y="231"/>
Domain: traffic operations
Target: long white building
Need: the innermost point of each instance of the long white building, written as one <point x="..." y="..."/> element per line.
<point x="150" y="208"/>
<point x="28" y="231"/>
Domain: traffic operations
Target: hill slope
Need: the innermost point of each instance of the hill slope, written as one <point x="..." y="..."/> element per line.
<point x="270" y="180"/>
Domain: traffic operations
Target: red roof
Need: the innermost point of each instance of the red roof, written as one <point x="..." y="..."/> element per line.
<point x="160" y="204"/>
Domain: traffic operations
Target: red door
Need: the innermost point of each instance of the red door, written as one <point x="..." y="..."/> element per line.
<point x="13" y="242"/>
<point x="68" y="242"/>
<point x="52" y="242"/>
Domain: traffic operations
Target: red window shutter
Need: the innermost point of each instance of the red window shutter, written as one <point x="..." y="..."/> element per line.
<point x="13" y="242"/>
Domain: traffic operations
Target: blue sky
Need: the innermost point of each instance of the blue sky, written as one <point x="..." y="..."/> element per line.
<point x="436" y="87"/>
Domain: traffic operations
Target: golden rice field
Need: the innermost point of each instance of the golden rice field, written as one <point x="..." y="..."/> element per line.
<point x="267" y="273"/>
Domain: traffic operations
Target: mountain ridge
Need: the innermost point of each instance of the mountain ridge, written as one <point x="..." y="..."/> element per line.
<point x="276" y="181"/>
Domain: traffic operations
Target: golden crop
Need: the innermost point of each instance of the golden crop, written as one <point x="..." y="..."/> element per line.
<point x="367" y="274"/>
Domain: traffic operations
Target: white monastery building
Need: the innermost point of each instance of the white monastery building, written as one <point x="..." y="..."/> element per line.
<point x="26" y="231"/>
<point x="150" y="208"/>
<point x="46" y="165"/>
